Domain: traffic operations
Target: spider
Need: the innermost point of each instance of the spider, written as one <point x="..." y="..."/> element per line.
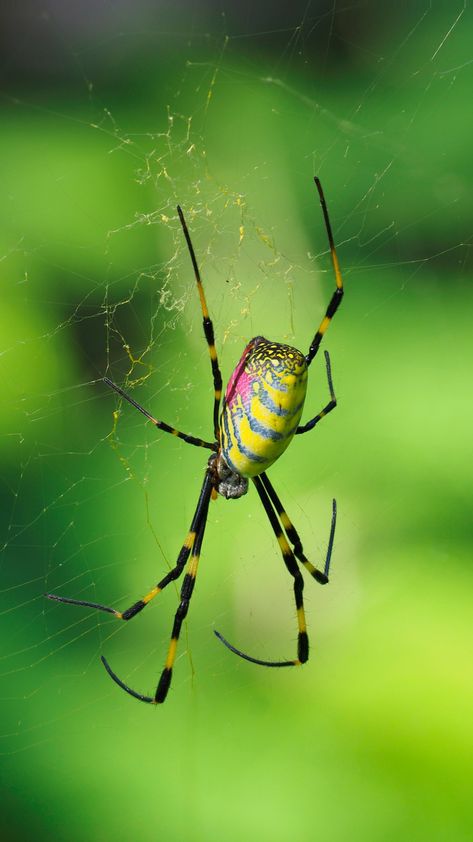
<point x="260" y="415"/>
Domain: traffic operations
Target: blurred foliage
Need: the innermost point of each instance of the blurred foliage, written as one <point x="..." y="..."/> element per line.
<point x="373" y="738"/>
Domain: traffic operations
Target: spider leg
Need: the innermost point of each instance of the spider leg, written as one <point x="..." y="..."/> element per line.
<point x="338" y="294"/>
<point x="292" y="567"/>
<point x="249" y="657"/>
<point x="199" y="523"/>
<point x="138" y="606"/>
<point x="208" y="328"/>
<point x="328" y="408"/>
<point x="293" y="535"/>
<point x="124" y="686"/>
<point x="173" y="574"/>
<point x="161" y="425"/>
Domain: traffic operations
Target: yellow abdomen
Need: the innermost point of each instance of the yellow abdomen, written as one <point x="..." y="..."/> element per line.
<point x="263" y="406"/>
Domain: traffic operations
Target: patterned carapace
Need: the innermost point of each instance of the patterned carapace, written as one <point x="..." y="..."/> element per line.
<point x="261" y="412"/>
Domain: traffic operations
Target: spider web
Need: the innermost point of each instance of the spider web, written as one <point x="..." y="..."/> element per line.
<point x="230" y="117"/>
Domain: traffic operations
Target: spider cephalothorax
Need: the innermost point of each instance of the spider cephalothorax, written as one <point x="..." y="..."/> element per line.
<point x="260" y="415"/>
<point x="226" y="482"/>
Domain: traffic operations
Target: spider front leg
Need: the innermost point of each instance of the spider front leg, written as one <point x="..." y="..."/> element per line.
<point x="173" y="574"/>
<point x="199" y="522"/>
<point x="293" y="569"/>
<point x="293" y="535"/>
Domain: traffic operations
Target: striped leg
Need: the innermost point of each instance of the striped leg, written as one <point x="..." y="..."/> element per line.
<point x="292" y="534"/>
<point x="338" y="294"/>
<point x="208" y="328"/>
<point x="291" y="564"/>
<point x="331" y="404"/>
<point x="186" y="593"/>
<point x="161" y="425"/>
<point x="173" y="574"/>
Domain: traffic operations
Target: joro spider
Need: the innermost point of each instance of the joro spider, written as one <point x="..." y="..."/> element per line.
<point x="260" y="415"/>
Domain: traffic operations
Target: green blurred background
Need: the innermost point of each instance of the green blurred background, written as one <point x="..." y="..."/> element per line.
<point x="111" y="115"/>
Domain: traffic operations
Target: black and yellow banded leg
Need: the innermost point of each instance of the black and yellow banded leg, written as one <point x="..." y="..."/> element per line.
<point x="173" y="574"/>
<point x="181" y="613"/>
<point x="292" y="567"/>
<point x="293" y="535"/>
<point x="161" y="425"/>
<point x="208" y="328"/>
<point x="328" y="408"/>
<point x="185" y="596"/>
<point x="338" y="294"/>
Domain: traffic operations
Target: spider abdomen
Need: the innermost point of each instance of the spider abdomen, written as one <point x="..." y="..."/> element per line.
<point x="263" y="406"/>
